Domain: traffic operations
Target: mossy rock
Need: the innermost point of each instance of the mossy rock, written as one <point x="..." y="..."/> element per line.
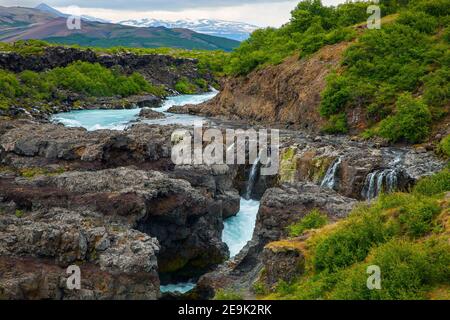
<point x="288" y="165"/>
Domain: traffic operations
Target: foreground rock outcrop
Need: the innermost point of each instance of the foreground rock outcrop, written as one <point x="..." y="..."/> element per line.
<point x="37" y="247"/>
<point x="187" y="224"/>
<point x="30" y="147"/>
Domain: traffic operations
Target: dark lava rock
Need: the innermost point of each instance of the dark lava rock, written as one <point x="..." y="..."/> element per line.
<point x="36" y="248"/>
<point x="282" y="263"/>
<point x="187" y="224"/>
<point x="151" y="114"/>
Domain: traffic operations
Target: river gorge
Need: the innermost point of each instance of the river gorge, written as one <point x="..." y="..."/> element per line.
<point x="94" y="148"/>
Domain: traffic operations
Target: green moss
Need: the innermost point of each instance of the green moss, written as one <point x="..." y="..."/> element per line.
<point x="228" y="295"/>
<point x="32" y="172"/>
<point x="175" y="264"/>
<point x="319" y="168"/>
<point x="314" y="220"/>
<point x="288" y="165"/>
<point x="19" y="213"/>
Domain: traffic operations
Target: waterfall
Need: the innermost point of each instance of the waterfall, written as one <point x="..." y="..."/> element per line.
<point x="252" y="178"/>
<point x="330" y="179"/>
<point x="381" y="181"/>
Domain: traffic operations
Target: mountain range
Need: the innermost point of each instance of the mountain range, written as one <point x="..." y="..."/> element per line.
<point x="228" y="29"/>
<point x="46" y="23"/>
<point x="46" y="8"/>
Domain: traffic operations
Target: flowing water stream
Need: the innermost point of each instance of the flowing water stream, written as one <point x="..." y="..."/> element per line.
<point x="238" y="230"/>
<point x="122" y="118"/>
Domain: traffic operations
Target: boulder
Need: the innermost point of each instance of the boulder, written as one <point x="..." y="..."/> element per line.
<point x="288" y="203"/>
<point x="149" y="114"/>
<point x="36" y="248"/>
<point x="187" y="224"/>
<point x="283" y="261"/>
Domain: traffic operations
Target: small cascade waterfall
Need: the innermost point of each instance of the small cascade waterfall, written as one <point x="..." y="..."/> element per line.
<point x="379" y="181"/>
<point x="330" y="180"/>
<point x="253" y="176"/>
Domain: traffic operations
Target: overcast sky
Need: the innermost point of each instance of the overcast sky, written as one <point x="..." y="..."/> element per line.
<point x="259" y="12"/>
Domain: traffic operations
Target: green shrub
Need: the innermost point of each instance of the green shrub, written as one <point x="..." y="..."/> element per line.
<point x="259" y="288"/>
<point x="202" y="84"/>
<point x="336" y="95"/>
<point x="444" y="146"/>
<point x="437" y="90"/>
<point x="407" y="272"/>
<point x="185" y="87"/>
<point x="315" y="219"/>
<point x="370" y="226"/>
<point x="96" y="80"/>
<point x="417" y="217"/>
<point x="25" y="47"/>
<point x="9" y="85"/>
<point x="311" y="27"/>
<point x="351" y="242"/>
<point x="411" y="121"/>
<point x="397" y="233"/>
<point x="89" y="79"/>
<point x="336" y="124"/>
<point x="437" y="8"/>
<point x="434" y="185"/>
<point x="403" y="56"/>
<point x="419" y="21"/>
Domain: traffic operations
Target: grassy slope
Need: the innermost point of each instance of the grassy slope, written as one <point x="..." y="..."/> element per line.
<point x="405" y="234"/>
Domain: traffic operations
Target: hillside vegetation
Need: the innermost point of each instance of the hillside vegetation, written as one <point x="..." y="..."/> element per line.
<point x="80" y="77"/>
<point x="399" y="74"/>
<point x="405" y="234"/>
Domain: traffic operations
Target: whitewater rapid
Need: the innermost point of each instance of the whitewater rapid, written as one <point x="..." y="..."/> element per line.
<point x="120" y="119"/>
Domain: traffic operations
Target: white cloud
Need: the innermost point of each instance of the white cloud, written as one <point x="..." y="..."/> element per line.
<point x="268" y="14"/>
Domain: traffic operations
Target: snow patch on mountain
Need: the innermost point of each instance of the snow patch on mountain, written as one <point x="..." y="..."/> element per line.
<point x="228" y="29"/>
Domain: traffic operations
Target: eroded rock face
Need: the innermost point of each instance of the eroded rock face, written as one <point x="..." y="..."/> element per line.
<point x="282" y="262"/>
<point x="280" y="207"/>
<point x="116" y="262"/>
<point x="187" y="224"/>
<point x="216" y="180"/>
<point x="287" y="94"/>
<point x="27" y="144"/>
<point x="346" y="166"/>
<point x="288" y="203"/>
